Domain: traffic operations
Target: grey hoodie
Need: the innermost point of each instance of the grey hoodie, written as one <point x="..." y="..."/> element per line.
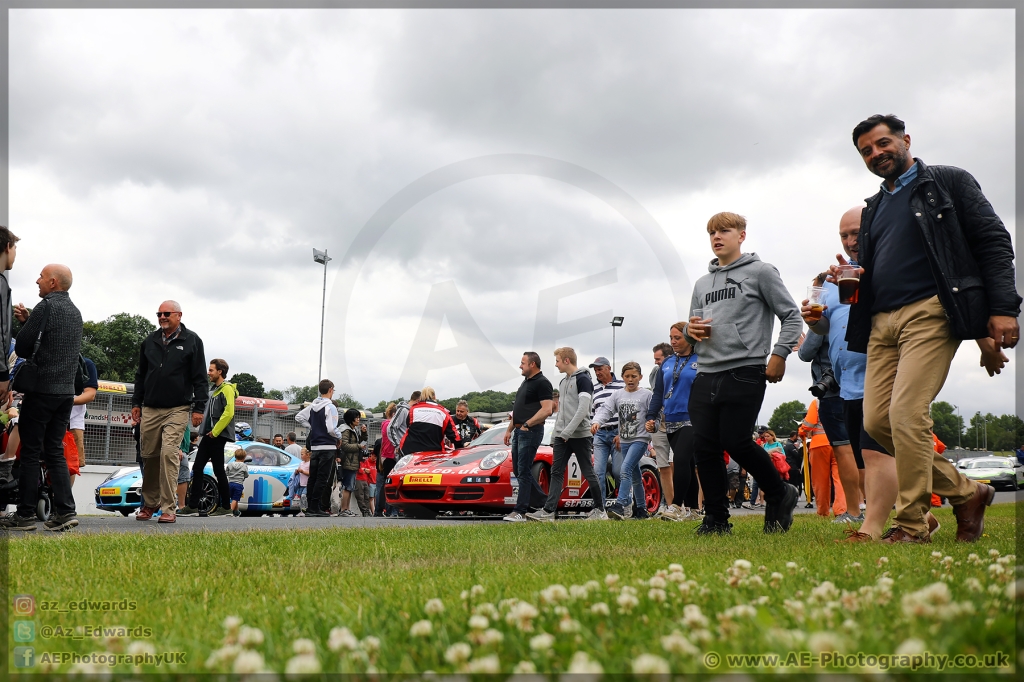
<point x="745" y="297"/>
<point x="575" y="394"/>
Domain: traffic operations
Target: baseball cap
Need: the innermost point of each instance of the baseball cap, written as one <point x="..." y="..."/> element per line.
<point x="601" y="361"/>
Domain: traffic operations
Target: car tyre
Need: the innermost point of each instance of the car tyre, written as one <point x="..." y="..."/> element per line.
<point x="209" y="498"/>
<point x="126" y="512"/>
<point x="652" y="487"/>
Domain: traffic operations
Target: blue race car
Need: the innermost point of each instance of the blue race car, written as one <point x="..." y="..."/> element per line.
<point x="265" y="490"/>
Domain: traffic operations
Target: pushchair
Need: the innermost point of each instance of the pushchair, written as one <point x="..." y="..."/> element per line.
<point x="10" y="492"/>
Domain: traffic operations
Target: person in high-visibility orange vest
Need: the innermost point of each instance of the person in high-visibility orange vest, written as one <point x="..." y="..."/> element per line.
<point x="824" y="469"/>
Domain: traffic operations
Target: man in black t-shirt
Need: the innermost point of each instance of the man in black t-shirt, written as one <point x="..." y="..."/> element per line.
<point x="526" y="431"/>
<point x="467" y="427"/>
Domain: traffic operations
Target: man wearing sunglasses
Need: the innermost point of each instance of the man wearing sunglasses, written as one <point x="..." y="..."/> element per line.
<point x="170" y="384"/>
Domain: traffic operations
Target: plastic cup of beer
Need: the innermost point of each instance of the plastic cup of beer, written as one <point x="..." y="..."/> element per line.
<point x="815" y="298"/>
<point x="849" y="283"/>
<point x="705" y="316"/>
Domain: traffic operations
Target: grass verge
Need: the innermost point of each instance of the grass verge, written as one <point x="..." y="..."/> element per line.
<point x="350" y="600"/>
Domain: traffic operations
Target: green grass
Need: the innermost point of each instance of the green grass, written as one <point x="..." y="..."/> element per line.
<point x="300" y="585"/>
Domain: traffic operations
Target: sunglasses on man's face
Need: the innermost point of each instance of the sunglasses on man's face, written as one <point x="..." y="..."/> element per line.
<point x="163" y="314"/>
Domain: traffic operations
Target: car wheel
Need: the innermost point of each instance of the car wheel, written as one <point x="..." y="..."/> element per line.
<point x="542" y="474"/>
<point x="209" y="497"/>
<point x="652" y="488"/>
<point x="125" y="512"/>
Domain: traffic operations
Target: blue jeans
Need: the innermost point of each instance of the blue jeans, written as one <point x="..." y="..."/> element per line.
<point x="604" y="447"/>
<point x="524" y="450"/>
<point x="630" y="475"/>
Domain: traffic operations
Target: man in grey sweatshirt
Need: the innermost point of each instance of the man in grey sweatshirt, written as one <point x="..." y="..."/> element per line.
<point x="733" y="344"/>
<point x="571" y="436"/>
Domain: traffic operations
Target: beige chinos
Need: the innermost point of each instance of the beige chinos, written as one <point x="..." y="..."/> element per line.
<point x="162" y="430"/>
<point x="909" y="353"/>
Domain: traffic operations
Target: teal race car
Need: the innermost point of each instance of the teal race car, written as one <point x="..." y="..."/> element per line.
<point x="265" y="490"/>
<point x="998" y="472"/>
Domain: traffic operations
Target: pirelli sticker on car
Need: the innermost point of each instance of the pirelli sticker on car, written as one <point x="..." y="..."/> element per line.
<point x="575" y="481"/>
<point x="423" y="479"/>
<point x="110" y="491"/>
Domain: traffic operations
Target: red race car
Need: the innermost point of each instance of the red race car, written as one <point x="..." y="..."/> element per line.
<point x="479" y="478"/>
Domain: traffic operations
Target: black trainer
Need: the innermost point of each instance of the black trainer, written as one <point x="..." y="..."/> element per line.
<point x="778" y="516"/>
<point x="711" y="528"/>
<point x="60" y="522"/>
<point x="15" y="522"/>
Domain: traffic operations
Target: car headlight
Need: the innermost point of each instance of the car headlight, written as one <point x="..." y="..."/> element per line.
<point x="120" y="472"/>
<point x="494" y="459"/>
<point x="402" y="462"/>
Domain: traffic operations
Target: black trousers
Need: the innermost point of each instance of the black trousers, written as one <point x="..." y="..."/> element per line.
<point x="561" y="451"/>
<point x="686" y="490"/>
<point x="42" y="425"/>
<point x="322" y="474"/>
<point x="211" y="449"/>
<point x="723" y="408"/>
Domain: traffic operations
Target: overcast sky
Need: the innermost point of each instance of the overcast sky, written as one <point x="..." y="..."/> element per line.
<point x="201" y="155"/>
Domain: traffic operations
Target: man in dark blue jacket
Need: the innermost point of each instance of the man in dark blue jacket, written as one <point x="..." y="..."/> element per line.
<point x="937" y="267"/>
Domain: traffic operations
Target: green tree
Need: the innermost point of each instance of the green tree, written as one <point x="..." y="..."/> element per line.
<point x="346" y="401"/>
<point x="248" y="385"/>
<point x="947" y="425"/>
<point x="786" y="418"/>
<point x="114" y="343"/>
<point x="275" y="394"/>
<point x="301" y="394"/>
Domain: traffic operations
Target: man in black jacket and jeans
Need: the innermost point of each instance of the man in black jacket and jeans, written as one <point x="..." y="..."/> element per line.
<point x="46" y="410"/>
<point x="171" y="382"/>
<point x="937" y="267"/>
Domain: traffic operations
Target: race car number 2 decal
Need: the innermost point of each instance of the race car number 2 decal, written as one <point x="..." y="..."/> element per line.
<point x="574" y="473"/>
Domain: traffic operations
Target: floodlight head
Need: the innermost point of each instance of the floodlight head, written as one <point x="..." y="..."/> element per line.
<point x="617" y="321"/>
<point x="321" y="257"/>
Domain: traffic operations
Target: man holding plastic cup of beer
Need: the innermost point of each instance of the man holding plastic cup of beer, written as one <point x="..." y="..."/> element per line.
<point x="936" y="267"/>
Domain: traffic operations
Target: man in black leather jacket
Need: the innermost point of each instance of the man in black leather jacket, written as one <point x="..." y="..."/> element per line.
<point x="937" y="267"/>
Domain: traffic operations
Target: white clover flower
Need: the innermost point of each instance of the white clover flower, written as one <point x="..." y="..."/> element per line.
<point x="342" y="638"/>
<point x="421" y="628"/>
<point x="303" y="664"/>
<point x="304" y="646"/>
<point x="370" y="644"/>
<point x="225" y="654"/>
<point x="649" y="664"/>
<point x="993" y="553"/>
<point x="521" y="615"/>
<point x="626" y="602"/>
<point x="820" y="642"/>
<point x="464" y="595"/>
<point x="600" y="609"/>
<point x="478" y="622"/>
<point x="774" y="579"/>
<point x="739" y="611"/>
<point x="232" y="623"/>
<point x="762" y="600"/>
<point x="542" y="642"/>
<point x="911" y="647"/>
<point x="486" y="609"/>
<point x="611" y="579"/>
<point x="656" y="594"/>
<point x="524" y="668"/>
<point x="560" y="611"/>
<point x="824" y="592"/>
<point x="701" y="636"/>
<point x="140" y="648"/>
<point x="250" y="637"/>
<point x="476" y="591"/>
<point x="882" y="560"/>
<point x="568" y="625"/>
<point x="756" y="581"/>
<point x="791" y="566"/>
<point x="592" y="585"/>
<point x="994" y="589"/>
<point x="676" y="576"/>
<point x="248" y="662"/>
<point x="487" y="665"/>
<point x="677" y="644"/>
<point x="552" y="594"/>
<point x="657" y="582"/>
<point x="850" y="624"/>
<point x="973" y="584"/>
<point x="742" y="564"/>
<point x="675" y="568"/>
<point x="693" y="618"/>
<point x="581" y="663"/>
<point x="433" y="607"/>
<point x="490" y="636"/>
<point x="578" y="591"/>
<point x="936" y="556"/>
<point x="458" y="653"/>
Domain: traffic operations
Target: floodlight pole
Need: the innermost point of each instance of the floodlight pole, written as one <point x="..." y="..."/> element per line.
<point x="616" y="322"/>
<point x="322" y="257"/>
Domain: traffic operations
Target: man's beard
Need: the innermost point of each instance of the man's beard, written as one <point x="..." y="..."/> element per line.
<point x="899" y="164"/>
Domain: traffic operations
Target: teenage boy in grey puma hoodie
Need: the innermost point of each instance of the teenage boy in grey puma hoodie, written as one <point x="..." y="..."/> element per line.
<point x="571" y="436"/>
<point x="733" y="343"/>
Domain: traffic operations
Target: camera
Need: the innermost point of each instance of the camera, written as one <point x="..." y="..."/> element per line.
<point x="825" y="384"/>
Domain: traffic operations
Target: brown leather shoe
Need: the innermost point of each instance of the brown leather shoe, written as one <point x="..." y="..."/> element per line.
<point x="853" y="535"/>
<point x="167" y="517"/>
<point x="897" y="535"/>
<point x="970" y="516"/>
<point x="145" y="513"/>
